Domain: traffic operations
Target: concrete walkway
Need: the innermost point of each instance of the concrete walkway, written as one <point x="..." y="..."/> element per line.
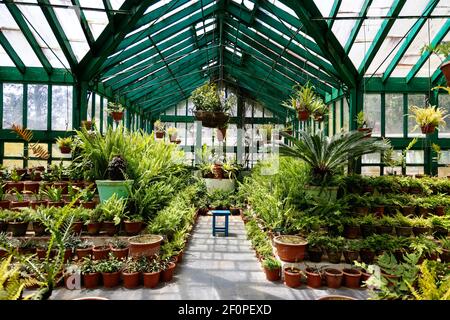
<point x="215" y="268"/>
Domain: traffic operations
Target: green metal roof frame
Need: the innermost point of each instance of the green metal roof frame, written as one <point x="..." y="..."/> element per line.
<point x="153" y="60"/>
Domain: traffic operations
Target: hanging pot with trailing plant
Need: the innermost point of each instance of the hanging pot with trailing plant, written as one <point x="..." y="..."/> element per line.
<point x="64" y="144"/>
<point x="115" y="109"/>
<point x="428" y="118"/>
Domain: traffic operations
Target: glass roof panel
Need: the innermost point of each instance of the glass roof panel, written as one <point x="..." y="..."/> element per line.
<point x="17" y="40"/>
<point x="343" y="28"/>
<point x="325" y="6"/>
<point x="432" y="63"/>
<point x="68" y="18"/>
<point x="369" y="30"/>
<point x="97" y="20"/>
<point x="412" y="55"/>
<point x="44" y="35"/>
<point x="5" y="61"/>
<point x="116" y="4"/>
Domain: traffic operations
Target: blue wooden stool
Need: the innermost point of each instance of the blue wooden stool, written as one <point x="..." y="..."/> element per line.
<point x="220" y="213"/>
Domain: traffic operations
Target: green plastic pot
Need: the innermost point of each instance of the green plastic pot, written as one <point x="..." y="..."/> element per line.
<point x="106" y="188"/>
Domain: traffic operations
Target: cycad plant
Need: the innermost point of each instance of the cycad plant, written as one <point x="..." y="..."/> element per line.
<point x="327" y="156"/>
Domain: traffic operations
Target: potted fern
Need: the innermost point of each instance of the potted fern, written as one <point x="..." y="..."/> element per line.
<point x="210" y="108"/>
<point x="117" y="184"/>
<point x="302" y="101"/>
<point x="64" y="144"/>
<point x="115" y="109"/>
<point x="428" y="118"/>
<point x="160" y="129"/>
<point x="442" y="50"/>
<point x="363" y="124"/>
<point x="272" y="269"/>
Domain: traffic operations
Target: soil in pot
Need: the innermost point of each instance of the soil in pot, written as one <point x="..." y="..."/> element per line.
<point x="352" y="278"/>
<point x="151" y="279"/>
<point x="131" y="280"/>
<point x="333" y="278"/>
<point x="91" y="280"/>
<point x="334" y="256"/>
<point x="350" y="256"/>
<point x="111" y="280"/>
<point x="290" y="248"/>
<point x="100" y="252"/>
<point x="315" y="254"/>
<point x="167" y="274"/>
<point x="273" y="275"/>
<point x="132" y="228"/>
<point x="313" y="278"/>
<point x="292" y="277"/>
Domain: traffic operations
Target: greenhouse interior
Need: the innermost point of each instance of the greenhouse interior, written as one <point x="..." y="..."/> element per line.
<point x="224" y="149"/>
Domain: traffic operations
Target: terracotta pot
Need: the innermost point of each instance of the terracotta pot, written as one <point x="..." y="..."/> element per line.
<point x="109" y="227"/>
<point x="415" y="190"/>
<point x="86" y="124"/>
<point x="10" y="186"/>
<point x="334" y="256"/>
<point x="39" y="229"/>
<point x="424" y="212"/>
<point x="18" y="229"/>
<point x="117" y="116"/>
<point x="428" y="129"/>
<point x="440" y="232"/>
<point x="3" y="226"/>
<point x="88" y="205"/>
<point x="445" y="68"/>
<point x="384" y="229"/>
<point x="62" y="185"/>
<point x="408" y="210"/>
<point x="362" y="210"/>
<point x="439" y="210"/>
<point x="77" y="227"/>
<point x="313" y="278"/>
<point x="31" y="186"/>
<point x="166" y="275"/>
<point x="403" y="231"/>
<point x="131" y="280"/>
<point x="445" y="255"/>
<point x="5" y="204"/>
<point x="38" y="203"/>
<point x="121" y="254"/>
<point x="421" y="230"/>
<point x="42" y="252"/>
<point x="221" y="133"/>
<point x="20" y="204"/>
<point x="315" y="254"/>
<point x="351" y="232"/>
<point x="100" y="252"/>
<point x="91" y="280"/>
<point x="55" y="204"/>
<point x="367" y="132"/>
<point x="367" y="230"/>
<point x="180" y="257"/>
<point x="111" y="279"/>
<point x="68" y="253"/>
<point x="27" y="251"/>
<point x="139" y="247"/>
<point x="151" y="279"/>
<point x="292" y="277"/>
<point x="303" y="115"/>
<point x="368" y="189"/>
<point x="160" y="134"/>
<point x="273" y="275"/>
<point x="65" y="149"/>
<point x="352" y="278"/>
<point x="365" y="275"/>
<point x="212" y="119"/>
<point x="367" y="255"/>
<point x="132" y="228"/>
<point x="290" y="252"/>
<point x="350" y="256"/>
<point x="378" y="211"/>
<point x="93" y="228"/>
<point x="83" y="252"/>
<point x="333" y="278"/>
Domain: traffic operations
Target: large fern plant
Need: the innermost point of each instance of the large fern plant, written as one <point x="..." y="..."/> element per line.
<point x="327" y="156"/>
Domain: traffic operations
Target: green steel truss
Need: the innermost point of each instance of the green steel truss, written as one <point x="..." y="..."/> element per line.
<point x="152" y="59"/>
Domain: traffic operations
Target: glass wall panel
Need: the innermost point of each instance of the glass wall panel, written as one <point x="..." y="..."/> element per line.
<point x="394" y="115"/>
<point x="37" y="107"/>
<point x="372" y="111"/>
<point x="62" y="108"/>
<point x="12" y="104"/>
<point x="415" y="100"/>
<point x="444" y="102"/>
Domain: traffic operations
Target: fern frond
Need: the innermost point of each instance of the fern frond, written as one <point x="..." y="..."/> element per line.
<point x="27" y="135"/>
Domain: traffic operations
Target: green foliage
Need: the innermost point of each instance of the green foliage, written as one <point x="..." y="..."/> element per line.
<point x="327" y="156"/>
<point x="112" y="209"/>
<point x="12" y="283"/>
<point x="431" y="284"/>
<point x="112" y="264"/>
<point x="208" y="98"/>
<point x="53" y="194"/>
<point x="271" y="264"/>
<point x="64" y="142"/>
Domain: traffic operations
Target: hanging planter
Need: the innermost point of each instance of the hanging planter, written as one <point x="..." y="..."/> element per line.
<point x="442" y="50"/>
<point x="115" y="109"/>
<point x="428" y="129"/>
<point x="319" y="110"/>
<point x="445" y="68"/>
<point x="87" y="124"/>
<point x="64" y="144"/>
<point x="303" y="115"/>
<point x="428" y="118"/>
<point x="172" y="132"/>
<point x="221" y="133"/>
<point x="210" y="107"/>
